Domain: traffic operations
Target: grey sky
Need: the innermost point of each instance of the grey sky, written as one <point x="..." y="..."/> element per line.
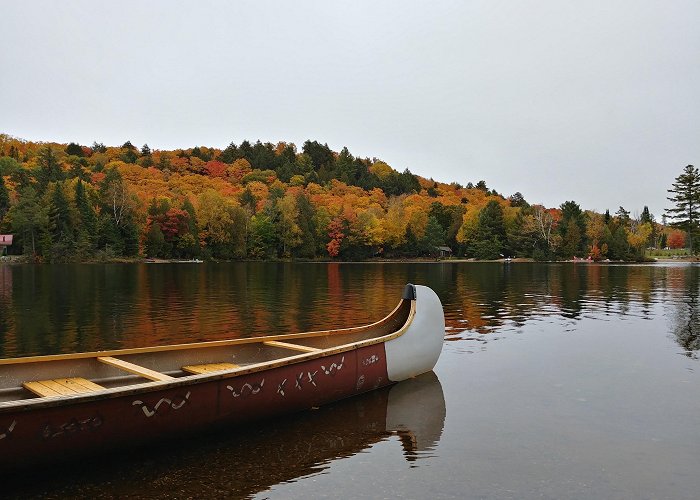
<point x="597" y="102"/>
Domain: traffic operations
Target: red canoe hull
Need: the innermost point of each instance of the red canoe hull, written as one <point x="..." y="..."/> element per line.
<point x="48" y="433"/>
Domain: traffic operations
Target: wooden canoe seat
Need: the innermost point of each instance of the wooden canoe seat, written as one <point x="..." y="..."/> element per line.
<point x="211" y="367"/>
<point x="293" y="347"/>
<point x="61" y="386"/>
<point x="141" y="371"/>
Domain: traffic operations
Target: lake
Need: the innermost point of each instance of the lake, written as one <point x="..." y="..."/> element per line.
<point x="555" y="381"/>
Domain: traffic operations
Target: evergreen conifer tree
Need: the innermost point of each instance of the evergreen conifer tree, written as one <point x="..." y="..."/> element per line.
<point x="686" y="210"/>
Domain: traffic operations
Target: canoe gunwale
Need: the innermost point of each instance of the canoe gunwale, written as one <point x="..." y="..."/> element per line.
<point x="212" y="343"/>
<point x="195" y="379"/>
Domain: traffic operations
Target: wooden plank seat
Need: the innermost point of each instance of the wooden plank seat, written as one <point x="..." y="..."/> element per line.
<point x="141" y="371"/>
<point x="61" y="386"/>
<point x="293" y="347"/>
<point x="208" y="368"/>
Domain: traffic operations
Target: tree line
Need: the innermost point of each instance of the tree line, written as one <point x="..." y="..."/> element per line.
<point x="269" y="201"/>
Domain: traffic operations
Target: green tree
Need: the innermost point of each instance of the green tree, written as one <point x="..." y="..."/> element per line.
<point x="74" y="149"/>
<point x="518" y="200"/>
<point x="320" y="154"/>
<point x="154" y="244"/>
<point x="434" y="237"/>
<point x="262" y="239"/>
<point x="288" y="230"/>
<point x="189" y="243"/>
<point x="623" y="216"/>
<point x="9" y="165"/>
<point x="307" y="225"/>
<point x="685" y="214"/>
<point x="615" y="238"/>
<point x="128" y="153"/>
<point x="239" y="228"/>
<point x="29" y="220"/>
<point x="489" y="241"/>
<point x="304" y="166"/>
<point x="248" y="200"/>
<point x="215" y="221"/>
<point x="524" y="235"/>
<point x="572" y="229"/>
<point x="230" y="154"/>
<point x="146" y="159"/>
<point x="49" y="168"/>
<point x="345" y="166"/>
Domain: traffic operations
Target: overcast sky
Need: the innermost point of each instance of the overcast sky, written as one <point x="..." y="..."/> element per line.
<point x="596" y="102"/>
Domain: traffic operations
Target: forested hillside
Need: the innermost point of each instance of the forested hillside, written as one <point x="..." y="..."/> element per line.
<point x="267" y="201"/>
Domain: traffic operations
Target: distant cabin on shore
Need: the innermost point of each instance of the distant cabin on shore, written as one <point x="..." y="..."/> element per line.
<point x="5" y="241"/>
<point x="444" y="252"/>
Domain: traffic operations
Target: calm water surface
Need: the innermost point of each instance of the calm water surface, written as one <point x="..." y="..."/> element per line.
<point x="556" y="380"/>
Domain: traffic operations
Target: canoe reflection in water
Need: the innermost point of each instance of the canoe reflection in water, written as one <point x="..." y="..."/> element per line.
<point x="255" y="458"/>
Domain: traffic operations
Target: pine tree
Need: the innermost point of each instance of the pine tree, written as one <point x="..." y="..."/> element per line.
<point x="686" y="198"/>
<point x="49" y="168"/>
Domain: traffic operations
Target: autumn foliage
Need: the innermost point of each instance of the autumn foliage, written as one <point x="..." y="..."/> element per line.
<point x="676" y="239"/>
<point x="263" y="200"/>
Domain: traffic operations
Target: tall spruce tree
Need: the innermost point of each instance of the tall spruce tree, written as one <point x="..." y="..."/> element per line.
<point x="685" y="214"/>
<point x="49" y="168"/>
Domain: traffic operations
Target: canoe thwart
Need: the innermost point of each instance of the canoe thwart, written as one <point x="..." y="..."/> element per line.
<point x="142" y="371"/>
<point x="294" y="347"/>
<point x="211" y="367"/>
<point x="61" y="386"/>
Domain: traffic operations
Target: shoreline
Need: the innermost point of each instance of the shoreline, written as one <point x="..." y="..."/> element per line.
<point x="20" y="259"/>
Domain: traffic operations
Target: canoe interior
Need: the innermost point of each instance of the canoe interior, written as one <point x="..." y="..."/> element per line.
<point x="170" y="360"/>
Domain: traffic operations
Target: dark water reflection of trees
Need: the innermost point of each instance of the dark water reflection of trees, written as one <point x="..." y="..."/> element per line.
<point x="686" y="315"/>
<point x="67" y="308"/>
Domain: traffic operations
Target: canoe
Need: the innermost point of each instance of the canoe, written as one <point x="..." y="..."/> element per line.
<point x="75" y="404"/>
<point x="245" y="464"/>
